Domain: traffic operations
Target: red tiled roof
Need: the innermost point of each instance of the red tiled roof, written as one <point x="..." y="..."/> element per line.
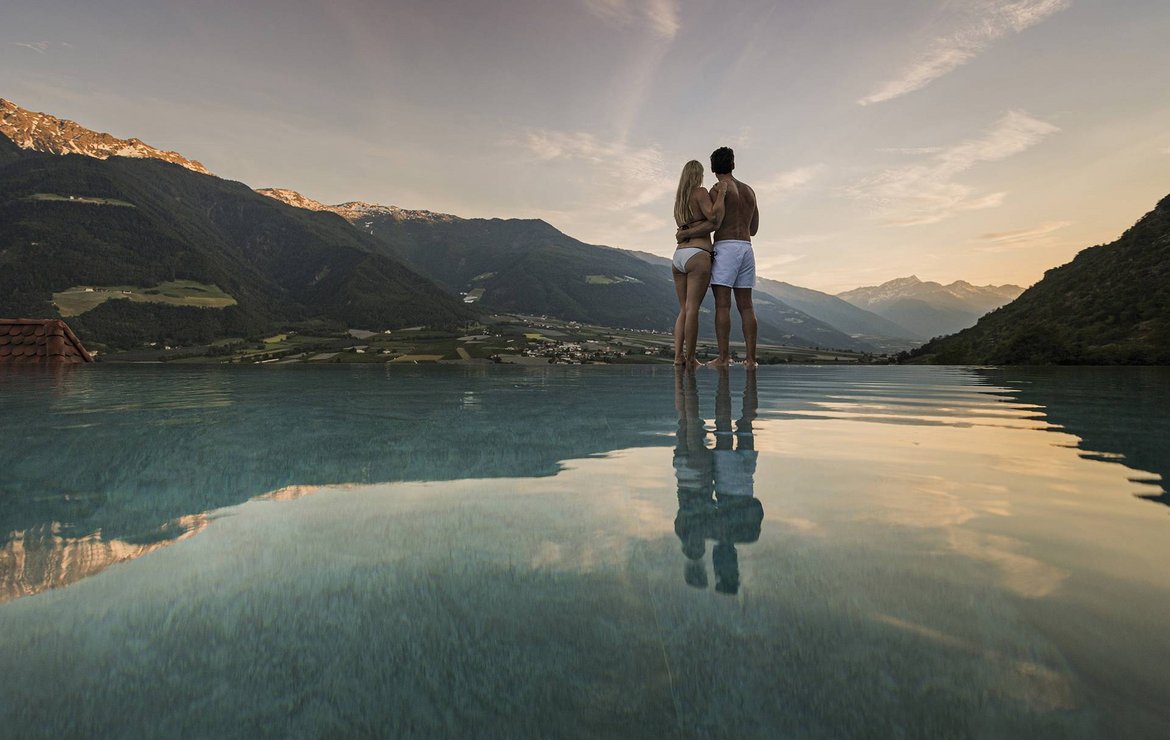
<point x="40" y="340"/>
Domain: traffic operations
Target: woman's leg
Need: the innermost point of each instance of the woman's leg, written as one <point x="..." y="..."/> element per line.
<point x="680" y="289"/>
<point x="698" y="278"/>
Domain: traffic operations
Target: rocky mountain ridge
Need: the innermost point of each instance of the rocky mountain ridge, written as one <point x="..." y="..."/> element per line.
<point x="42" y="132"/>
<point x="931" y="309"/>
<point x="355" y="211"/>
<point x="913" y="287"/>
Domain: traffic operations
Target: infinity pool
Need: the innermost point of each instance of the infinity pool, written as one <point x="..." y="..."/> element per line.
<point x="579" y="552"/>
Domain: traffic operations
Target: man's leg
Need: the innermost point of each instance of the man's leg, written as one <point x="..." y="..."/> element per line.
<point x="722" y="324"/>
<point x="747" y="315"/>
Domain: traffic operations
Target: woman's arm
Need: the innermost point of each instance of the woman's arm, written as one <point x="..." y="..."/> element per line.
<point x="712" y="208"/>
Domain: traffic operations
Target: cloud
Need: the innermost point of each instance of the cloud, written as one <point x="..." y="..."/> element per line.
<point x="913" y="150"/>
<point x="741" y="139"/>
<point x="771" y="262"/>
<point x="660" y="16"/>
<point x="1038" y="236"/>
<point x="1023" y="235"/>
<point x="42" y="47"/>
<point x="603" y="191"/>
<point x="984" y="22"/>
<point x="789" y="180"/>
<point x="627" y="176"/>
<point x="39" y="47"/>
<point x="928" y="192"/>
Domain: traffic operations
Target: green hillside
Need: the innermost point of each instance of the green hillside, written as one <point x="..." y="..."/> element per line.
<point x="132" y="222"/>
<point x="1110" y="305"/>
<point x="528" y="266"/>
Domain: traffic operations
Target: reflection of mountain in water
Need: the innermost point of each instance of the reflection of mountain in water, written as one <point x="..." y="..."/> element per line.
<point x="1119" y="414"/>
<point x="100" y="465"/>
<point x="119" y="454"/>
<point x="39" y="559"/>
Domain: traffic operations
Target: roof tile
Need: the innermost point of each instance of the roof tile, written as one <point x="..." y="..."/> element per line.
<point x="40" y="340"/>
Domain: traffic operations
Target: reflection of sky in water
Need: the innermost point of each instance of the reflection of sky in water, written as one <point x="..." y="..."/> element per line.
<point x="882" y="551"/>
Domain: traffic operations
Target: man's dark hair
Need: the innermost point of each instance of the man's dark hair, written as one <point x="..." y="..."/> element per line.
<point x="722" y="161"/>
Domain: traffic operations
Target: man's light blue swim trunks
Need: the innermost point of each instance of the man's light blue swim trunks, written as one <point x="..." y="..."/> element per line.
<point x="735" y="264"/>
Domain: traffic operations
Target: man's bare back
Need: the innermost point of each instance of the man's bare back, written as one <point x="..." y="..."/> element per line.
<point x="741" y="218"/>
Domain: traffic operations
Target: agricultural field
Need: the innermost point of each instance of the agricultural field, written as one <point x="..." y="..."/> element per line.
<point x="506" y="339"/>
<point x="610" y="279"/>
<point x="81" y="298"/>
<point x="79" y="200"/>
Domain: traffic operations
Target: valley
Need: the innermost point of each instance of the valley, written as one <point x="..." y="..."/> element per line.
<point x="508" y="339"/>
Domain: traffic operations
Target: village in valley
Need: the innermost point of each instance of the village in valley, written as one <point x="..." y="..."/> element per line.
<point x="514" y="339"/>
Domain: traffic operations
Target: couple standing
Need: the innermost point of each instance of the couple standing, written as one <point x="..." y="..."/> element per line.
<point x="729" y="266"/>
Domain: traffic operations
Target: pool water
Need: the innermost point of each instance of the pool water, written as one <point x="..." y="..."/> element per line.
<point x="580" y="552"/>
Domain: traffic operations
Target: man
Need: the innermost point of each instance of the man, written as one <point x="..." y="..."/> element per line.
<point x="734" y="271"/>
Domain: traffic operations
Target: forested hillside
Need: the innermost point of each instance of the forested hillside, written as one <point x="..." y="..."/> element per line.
<point x="1110" y="305"/>
<point x="73" y="221"/>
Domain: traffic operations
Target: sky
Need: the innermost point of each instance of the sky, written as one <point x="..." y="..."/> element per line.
<point x="982" y="140"/>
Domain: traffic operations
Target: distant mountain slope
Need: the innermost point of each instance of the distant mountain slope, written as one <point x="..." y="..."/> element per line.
<point x="1111" y="304"/>
<point x="141" y="222"/>
<point x="529" y="266"/>
<point x="44" y="133"/>
<point x="772" y="311"/>
<point x="931" y="309"/>
<point x="841" y="314"/>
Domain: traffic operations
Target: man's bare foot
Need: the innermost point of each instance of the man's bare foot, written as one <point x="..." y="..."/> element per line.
<point x="720" y="362"/>
<point x="693" y="363"/>
<point x="750" y="364"/>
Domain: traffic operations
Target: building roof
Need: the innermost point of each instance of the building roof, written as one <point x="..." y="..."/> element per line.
<point x="40" y="340"/>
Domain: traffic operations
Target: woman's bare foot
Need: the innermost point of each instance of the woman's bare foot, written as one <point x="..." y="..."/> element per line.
<point x="751" y="364"/>
<point x="678" y="362"/>
<point x="720" y="362"/>
<point x="693" y="363"/>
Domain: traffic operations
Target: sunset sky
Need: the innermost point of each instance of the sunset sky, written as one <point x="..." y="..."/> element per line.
<point x="985" y="140"/>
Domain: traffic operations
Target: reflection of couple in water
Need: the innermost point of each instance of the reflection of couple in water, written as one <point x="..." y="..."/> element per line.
<point x="728" y="265"/>
<point x="716" y="489"/>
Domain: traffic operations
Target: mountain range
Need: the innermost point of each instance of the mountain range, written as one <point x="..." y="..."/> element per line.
<point x="929" y="309"/>
<point x="1109" y="305"/>
<point x="528" y="266"/>
<point x="118" y="212"/>
<point x="135" y="227"/>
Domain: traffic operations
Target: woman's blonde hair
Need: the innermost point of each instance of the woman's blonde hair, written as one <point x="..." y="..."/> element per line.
<point x="692" y="177"/>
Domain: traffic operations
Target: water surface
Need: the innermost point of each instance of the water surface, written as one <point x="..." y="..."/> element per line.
<point x="806" y="552"/>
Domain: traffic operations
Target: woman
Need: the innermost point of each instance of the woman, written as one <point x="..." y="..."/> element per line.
<point x="692" y="258"/>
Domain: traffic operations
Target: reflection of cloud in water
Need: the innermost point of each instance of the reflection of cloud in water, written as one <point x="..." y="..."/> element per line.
<point x="1039" y="687"/>
<point x="1019" y="573"/>
<point x="938" y="503"/>
<point x="933" y="501"/>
